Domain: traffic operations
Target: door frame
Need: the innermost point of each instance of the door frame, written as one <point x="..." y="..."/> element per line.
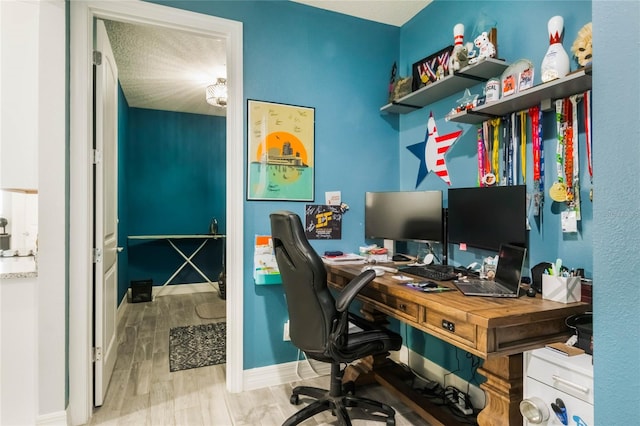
<point x="82" y="14"/>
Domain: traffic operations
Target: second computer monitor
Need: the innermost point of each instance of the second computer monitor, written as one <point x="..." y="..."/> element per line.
<point x="486" y="217"/>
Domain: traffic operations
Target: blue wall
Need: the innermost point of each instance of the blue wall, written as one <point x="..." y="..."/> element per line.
<point x="123" y="208"/>
<point x="333" y="66"/>
<point x="616" y="235"/>
<point x="518" y="38"/>
<point x="174" y="182"/>
<point x="340" y="66"/>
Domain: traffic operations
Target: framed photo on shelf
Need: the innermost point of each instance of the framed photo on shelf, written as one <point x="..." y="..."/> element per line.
<point x="280" y="151"/>
<point x="525" y="80"/>
<point x="431" y="69"/>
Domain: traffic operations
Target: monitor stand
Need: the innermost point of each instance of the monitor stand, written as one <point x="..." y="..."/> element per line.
<point x="390" y="245"/>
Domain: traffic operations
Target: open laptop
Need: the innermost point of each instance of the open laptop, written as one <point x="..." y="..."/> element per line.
<point x="507" y="280"/>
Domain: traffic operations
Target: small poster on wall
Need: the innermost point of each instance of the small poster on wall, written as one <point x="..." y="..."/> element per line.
<point x="323" y="222"/>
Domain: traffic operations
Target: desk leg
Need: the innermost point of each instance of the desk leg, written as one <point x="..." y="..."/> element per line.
<point x="503" y="390"/>
<point x="186" y="262"/>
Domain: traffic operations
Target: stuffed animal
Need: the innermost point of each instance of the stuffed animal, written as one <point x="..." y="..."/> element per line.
<point x="486" y="49"/>
<point x="459" y="58"/>
<point x="581" y="47"/>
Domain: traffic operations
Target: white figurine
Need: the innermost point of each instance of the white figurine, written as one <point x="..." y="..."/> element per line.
<point x="486" y="49"/>
<point x="556" y="62"/>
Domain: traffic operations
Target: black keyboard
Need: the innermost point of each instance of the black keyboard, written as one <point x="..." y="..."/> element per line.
<point x="432" y="272"/>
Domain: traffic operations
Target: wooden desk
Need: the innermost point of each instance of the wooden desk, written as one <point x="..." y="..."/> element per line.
<point x="496" y="330"/>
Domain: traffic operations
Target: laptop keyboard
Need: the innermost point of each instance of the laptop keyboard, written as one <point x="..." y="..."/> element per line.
<point x="485" y="287"/>
<point x="432" y="272"/>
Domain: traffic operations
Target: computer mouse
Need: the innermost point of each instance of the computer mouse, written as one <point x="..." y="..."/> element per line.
<point x="531" y="292"/>
<point x="428" y="284"/>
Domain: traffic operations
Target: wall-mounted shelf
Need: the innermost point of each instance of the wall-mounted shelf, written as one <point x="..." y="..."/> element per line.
<point x="466" y="77"/>
<point x="576" y="82"/>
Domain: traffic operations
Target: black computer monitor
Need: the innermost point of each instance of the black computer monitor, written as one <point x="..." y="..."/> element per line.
<point x="404" y="216"/>
<point x="485" y="217"/>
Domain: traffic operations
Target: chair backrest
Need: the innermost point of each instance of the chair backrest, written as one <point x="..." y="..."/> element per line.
<point x="311" y="306"/>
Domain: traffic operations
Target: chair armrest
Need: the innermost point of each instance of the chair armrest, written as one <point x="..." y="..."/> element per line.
<point x="352" y="289"/>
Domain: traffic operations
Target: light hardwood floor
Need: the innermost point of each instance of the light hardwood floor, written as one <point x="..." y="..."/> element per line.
<point x="143" y="391"/>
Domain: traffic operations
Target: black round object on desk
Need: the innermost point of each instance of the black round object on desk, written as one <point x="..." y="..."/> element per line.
<point x="531" y="292"/>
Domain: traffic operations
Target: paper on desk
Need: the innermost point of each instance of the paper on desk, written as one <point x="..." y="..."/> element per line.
<point x="345" y="259"/>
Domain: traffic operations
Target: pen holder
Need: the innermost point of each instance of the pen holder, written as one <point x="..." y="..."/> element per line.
<point x="561" y="289"/>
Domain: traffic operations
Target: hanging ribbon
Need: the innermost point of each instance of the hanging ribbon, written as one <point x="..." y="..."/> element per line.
<point x="576" y="157"/>
<point x="568" y="149"/>
<point x="491" y="176"/>
<point x="535" y="114"/>
<point x="511" y="144"/>
<point x="558" y="191"/>
<point x="523" y="145"/>
<point x="587" y="132"/>
<point x="481" y="156"/>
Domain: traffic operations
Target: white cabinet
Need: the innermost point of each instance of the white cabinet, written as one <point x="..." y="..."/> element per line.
<point x="19" y="85"/>
<point x="553" y="381"/>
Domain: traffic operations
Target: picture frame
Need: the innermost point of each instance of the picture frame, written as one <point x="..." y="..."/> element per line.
<point x="280" y="151"/>
<point x="525" y="79"/>
<point x="425" y="71"/>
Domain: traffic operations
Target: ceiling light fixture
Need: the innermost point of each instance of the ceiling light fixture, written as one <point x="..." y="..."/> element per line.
<point x="217" y="93"/>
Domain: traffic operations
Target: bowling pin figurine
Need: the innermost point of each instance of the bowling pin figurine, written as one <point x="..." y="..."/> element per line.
<point x="459" y="54"/>
<point x="556" y="62"/>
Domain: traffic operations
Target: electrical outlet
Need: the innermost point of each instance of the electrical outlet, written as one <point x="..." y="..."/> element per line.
<point x="285" y="333"/>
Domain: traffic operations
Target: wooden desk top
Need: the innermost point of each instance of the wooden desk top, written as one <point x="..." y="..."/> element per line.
<point x="484" y="326"/>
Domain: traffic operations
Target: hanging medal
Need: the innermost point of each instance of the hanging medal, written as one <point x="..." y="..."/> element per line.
<point x="481" y="155"/>
<point x="558" y="191"/>
<point x="491" y="176"/>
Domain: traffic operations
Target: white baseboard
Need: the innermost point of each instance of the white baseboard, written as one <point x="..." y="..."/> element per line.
<point x="279" y="374"/>
<point x="183" y="289"/>
<point x="285" y="373"/>
<point x="58" y="419"/>
<point x="174" y="289"/>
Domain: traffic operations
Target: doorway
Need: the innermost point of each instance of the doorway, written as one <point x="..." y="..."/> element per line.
<point x="80" y="190"/>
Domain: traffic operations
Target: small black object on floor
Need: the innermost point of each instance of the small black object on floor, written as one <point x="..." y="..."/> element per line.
<point x="141" y="291"/>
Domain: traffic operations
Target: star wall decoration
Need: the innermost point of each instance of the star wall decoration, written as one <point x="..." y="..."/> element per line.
<point x="431" y="152"/>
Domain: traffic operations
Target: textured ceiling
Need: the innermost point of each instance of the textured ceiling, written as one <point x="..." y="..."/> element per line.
<point x="166" y="69"/>
<point x="169" y="70"/>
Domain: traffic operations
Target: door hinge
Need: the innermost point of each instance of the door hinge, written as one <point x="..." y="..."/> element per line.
<point x="97" y="255"/>
<point x="96" y="354"/>
<point x="97" y="58"/>
<point x="97" y="156"/>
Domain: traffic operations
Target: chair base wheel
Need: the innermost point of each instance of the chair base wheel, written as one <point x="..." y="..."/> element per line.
<point x="294" y="399"/>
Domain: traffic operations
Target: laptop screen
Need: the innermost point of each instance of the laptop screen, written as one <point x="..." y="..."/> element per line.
<point x="509" y="268"/>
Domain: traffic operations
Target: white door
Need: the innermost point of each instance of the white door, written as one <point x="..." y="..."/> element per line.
<point x="106" y="213"/>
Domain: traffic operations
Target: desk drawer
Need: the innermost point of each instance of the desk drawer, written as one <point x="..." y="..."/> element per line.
<point x="392" y="305"/>
<point x="446" y="324"/>
<point x="572" y="375"/>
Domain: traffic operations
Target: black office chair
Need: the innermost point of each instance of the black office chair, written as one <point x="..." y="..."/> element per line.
<point x="319" y="323"/>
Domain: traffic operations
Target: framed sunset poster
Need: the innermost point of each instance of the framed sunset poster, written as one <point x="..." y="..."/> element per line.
<point x="280" y="151"/>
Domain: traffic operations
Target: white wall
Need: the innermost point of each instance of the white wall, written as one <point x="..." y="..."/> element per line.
<point x="52" y="215"/>
<point x="33" y="351"/>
